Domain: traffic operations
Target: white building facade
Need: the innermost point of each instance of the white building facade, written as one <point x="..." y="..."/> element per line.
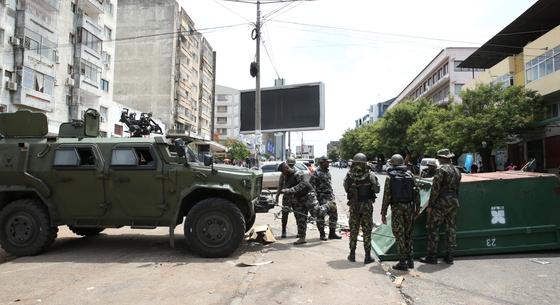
<point x="442" y="79"/>
<point x="226" y="114"/>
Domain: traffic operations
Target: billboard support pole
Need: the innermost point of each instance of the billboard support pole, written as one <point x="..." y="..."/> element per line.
<point x="258" y="87"/>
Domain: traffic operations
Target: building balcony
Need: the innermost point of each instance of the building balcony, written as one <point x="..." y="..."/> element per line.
<point x="34" y="99"/>
<point x="88" y="54"/>
<point x="90" y="25"/>
<point x="88" y="87"/>
<point x="91" y="7"/>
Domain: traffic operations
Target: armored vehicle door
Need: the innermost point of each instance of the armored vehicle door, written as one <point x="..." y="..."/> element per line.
<point x="78" y="182"/>
<point x="135" y="182"/>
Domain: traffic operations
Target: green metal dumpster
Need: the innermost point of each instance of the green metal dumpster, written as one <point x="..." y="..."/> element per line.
<point x="500" y="212"/>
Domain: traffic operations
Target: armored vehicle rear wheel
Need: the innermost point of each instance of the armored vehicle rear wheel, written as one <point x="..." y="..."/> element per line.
<point x="83" y="231"/>
<point x="25" y="228"/>
<point x="214" y="227"/>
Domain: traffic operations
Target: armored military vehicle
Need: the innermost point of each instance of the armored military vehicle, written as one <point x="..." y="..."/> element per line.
<point x="90" y="183"/>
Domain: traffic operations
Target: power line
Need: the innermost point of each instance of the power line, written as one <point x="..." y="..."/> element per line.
<point x="265" y="16"/>
<point x="399" y="35"/>
<point x="270" y="59"/>
<point x="131" y="38"/>
<point x="231" y="10"/>
<point x="282" y="13"/>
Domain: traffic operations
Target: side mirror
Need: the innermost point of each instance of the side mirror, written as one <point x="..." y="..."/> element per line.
<point x="208" y="160"/>
<point x="91" y="123"/>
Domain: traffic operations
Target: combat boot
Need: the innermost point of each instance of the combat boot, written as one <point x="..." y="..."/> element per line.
<point x="430" y="259"/>
<point x="284" y="235"/>
<point x="410" y="263"/>
<point x="333" y="235"/>
<point x="322" y="235"/>
<point x="352" y="255"/>
<point x="368" y="259"/>
<point x="300" y="241"/>
<point x="448" y="259"/>
<point x="401" y="265"/>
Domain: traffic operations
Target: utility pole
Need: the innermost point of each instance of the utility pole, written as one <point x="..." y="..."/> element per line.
<point x="258" y="135"/>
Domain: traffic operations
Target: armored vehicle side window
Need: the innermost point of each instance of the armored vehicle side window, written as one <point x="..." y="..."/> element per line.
<point x="82" y="157"/>
<point x="66" y="157"/>
<point x="124" y="157"/>
<point x="137" y="156"/>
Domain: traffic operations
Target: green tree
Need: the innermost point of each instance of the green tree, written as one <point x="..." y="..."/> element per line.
<point x="490" y="115"/>
<point x="431" y="131"/>
<point x="237" y="150"/>
<point x="350" y="143"/>
<point x="333" y="154"/>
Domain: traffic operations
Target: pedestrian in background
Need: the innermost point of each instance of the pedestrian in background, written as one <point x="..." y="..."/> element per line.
<point x="360" y="185"/>
<point x="442" y="207"/>
<point x="402" y="194"/>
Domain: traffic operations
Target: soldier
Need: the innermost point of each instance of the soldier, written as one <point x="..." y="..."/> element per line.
<point x="360" y="185"/>
<point x="402" y="194"/>
<point x="430" y="171"/>
<point x="287" y="180"/>
<point x="442" y="206"/>
<point x="321" y="181"/>
<point x="304" y="201"/>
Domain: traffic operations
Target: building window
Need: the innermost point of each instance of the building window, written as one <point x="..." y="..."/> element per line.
<point x="37" y="81"/>
<point x="39" y="45"/>
<point x="1" y="37"/>
<point x="553" y="110"/>
<point x="458" y="88"/>
<point x="543" y="65"/>
<point x="103" y="114"/>
<point x="221" y="120"/>
<point x="106" y="58"/>
<point x="118" y="130"/>
<point x="105" y="85"/>
<point x="108" y="7"/>
<point x="88" y="39"/>
<point x="221" y="109"/>
<point x="70" y="69"/>
<point x="108" y="33"/>
<point x="90" y="71"/>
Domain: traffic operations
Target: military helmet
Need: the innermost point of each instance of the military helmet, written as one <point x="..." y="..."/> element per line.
<point x="291" y="161"/>
<point x="431" y="162"/>
<point x="396" y="160"/>
<point x="323" y="159"/>
<point x="359" y="157"/>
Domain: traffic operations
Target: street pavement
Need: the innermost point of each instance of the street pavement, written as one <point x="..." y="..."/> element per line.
<point x="127" y="266"/>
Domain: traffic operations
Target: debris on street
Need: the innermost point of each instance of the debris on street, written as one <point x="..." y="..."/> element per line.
<point x="261" y="234"/>
<point x="242" y="264"/>
<point x="538" y="261"/>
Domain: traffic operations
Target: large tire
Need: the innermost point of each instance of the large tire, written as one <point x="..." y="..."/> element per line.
<point x="214" y="227"/>
<point x="25" y="228"/>
<point x="250" y="222"/>
<point x="85" y="231"/>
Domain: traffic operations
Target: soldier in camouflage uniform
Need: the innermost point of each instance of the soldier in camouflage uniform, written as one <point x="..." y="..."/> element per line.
<point x="321" y="181"/>
<point x="287" y="180"/>
<point x="442" y="207"/>
<point x="304" y="201"/>
<point x="402" y="194"/>
<point x="360" y="185"/>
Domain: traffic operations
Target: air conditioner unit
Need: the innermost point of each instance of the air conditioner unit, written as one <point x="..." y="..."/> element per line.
<point x="12" y="86"/>
<point x="69" y="81"/>
<point x="15" y="41"/>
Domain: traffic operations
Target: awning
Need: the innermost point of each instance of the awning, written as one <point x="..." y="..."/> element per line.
<point x="550" y="122"/>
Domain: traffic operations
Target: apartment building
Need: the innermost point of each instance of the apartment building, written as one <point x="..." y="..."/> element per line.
<point x="442" y="79"/>
<point x="375" y="112"/>
<point x="57" y="58"/>
<point x="164" y="66"/>
<point x="226" y="114"/>
<point x="527" y="53"/>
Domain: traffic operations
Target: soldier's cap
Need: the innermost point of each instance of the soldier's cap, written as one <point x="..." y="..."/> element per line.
<point x="445" y="153"/>
<point x="323" y="159"/>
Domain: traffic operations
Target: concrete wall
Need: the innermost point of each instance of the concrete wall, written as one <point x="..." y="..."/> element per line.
<point x="145" y="67"/>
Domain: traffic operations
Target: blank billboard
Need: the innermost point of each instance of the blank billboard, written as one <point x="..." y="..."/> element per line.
<point x="287" y="108"/>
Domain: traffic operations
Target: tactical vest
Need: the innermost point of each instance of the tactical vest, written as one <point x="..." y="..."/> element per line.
<point x="363" y="190"/>
<point x="402" y="186"/>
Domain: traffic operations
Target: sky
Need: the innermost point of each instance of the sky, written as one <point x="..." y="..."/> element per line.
<point x="364" y="51"/>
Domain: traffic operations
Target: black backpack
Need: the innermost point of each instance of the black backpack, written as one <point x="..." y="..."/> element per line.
<point x="402" y="186"/>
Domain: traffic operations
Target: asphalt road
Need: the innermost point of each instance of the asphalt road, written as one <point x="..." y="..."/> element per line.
<point x="138" y="267"/>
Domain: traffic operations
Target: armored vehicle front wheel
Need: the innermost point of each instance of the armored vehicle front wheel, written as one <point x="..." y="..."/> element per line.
<point x="214" y="227"/>
<point x="25" y="228"/>
<point x="85" y="231"/>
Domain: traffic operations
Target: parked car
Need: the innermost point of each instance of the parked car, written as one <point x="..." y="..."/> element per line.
<point x="271" y="173"/>
<point x="424" y="163"/>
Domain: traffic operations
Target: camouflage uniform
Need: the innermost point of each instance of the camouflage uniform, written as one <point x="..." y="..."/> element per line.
<point x="444" y="203"/>
<point x="361" y="209"/>
<point x="402" y="217"/>
<point x="321" y="181"/>
<point x="303" y="200"/>
<point x="287" y="199"/>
